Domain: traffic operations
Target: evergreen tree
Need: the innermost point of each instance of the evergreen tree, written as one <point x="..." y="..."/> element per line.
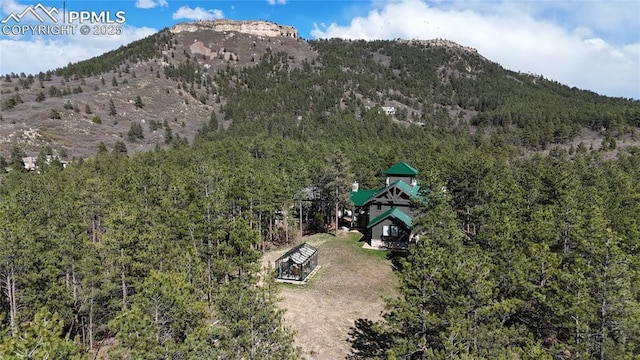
<point x="41" y="161"/>
<point x="168" y="133"/>
<point x="162" y="314"/>
<point x="15" y="161"/>
<point x="41" y="338"/>
<point x="213" y="121"/>
<point x="112" y="108"/>
<point x="253" y="325"/>
<point x="55" y="114"/>
<point x="40" y="97"/>
<point x="102" y="148"/>
<point x="14" y="259"/>
<point x="120" y="148"/>
<point x="135" y="132"/>
<point x="336" y="183"/>
<point x="138" y="102"/>
<point x="605" y="321"/>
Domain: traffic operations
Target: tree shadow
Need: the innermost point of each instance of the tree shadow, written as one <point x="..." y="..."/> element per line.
<point x="396" y="258"/>
<point x="366" y="341"/>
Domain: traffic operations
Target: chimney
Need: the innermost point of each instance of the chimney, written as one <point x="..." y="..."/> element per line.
<point x="355" y="186"/>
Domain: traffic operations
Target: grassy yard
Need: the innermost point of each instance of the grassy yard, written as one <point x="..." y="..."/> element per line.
<point x="349" y="286"/>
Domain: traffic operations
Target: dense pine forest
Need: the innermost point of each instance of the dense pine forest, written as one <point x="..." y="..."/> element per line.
<point x="156" y="255"/>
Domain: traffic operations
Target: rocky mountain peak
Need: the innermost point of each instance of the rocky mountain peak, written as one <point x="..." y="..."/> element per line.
<point x="252" y="27"/>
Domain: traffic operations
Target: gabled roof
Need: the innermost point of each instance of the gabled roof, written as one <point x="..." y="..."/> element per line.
<point x="411" y="190"/>
<point x="394" y="213"/>
<point x="298" y="254"/>
<point x="401" y="168"/>
<point x="362" y="197"/>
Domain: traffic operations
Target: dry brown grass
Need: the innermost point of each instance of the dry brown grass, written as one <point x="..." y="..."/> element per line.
<point x="350" y="285"/>
<point x="29" y="124"/>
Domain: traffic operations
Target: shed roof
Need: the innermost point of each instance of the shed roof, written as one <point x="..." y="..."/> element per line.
<point x="360" y="197"/>
<point x="299" y="254"/>
<point x="401" y="168"/>
<point x="394" y="213"/>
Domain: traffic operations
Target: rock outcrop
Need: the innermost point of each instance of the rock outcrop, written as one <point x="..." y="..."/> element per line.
<point x="259" y="28"/>
<point x="441" y="43"/>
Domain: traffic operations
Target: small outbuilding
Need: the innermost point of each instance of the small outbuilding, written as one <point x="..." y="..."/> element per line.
<point x="297" y="263"/>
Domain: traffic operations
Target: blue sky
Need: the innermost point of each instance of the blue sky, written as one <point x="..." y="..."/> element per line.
<point x="589" y="44"/>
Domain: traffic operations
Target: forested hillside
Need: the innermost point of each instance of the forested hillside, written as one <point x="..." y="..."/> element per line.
<point x="154" y="254"/>
<point x="164" y="88"/>
<point x="162" y="238"/>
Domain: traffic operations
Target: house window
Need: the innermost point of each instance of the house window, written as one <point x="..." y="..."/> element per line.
<point x="390" y="231"/>
<point x="379" y="206"/>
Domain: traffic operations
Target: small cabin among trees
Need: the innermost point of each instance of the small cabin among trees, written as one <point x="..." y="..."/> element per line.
<point x="297" y="263"/>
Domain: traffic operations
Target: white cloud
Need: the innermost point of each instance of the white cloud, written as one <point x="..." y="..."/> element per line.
<point x="150" y="4"/>
<point x="21" y="55"/>
<point x="11" y="6"/>
<point x="510" y="34"/>
<point x="276" y="2"/>
<point x="198" y="13"/>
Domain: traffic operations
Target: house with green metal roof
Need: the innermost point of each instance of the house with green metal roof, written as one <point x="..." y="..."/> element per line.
<point x="386" y="215"/>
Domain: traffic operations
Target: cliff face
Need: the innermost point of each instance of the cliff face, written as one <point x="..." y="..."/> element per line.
<point x="259" y="28"/>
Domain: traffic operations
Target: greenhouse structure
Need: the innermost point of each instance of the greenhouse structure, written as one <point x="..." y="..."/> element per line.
<point x="297" y="263"/>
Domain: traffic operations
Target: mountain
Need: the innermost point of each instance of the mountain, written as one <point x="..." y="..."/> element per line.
<point x="521" y="253"/>
<point x="253" y="76"/>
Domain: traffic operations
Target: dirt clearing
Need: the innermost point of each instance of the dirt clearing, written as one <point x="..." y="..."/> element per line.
<point x="350" y="285"/>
